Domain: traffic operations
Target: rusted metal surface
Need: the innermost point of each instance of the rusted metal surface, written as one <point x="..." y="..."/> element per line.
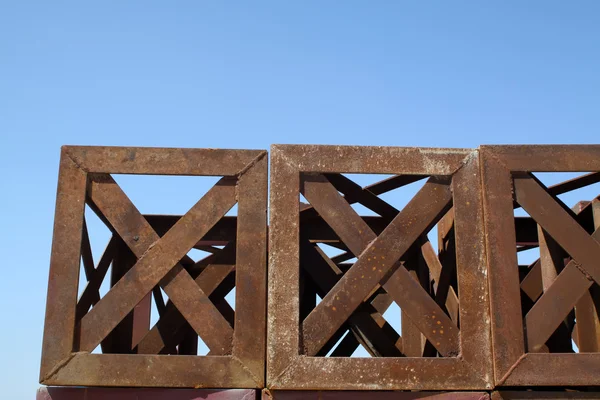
<point x="559" y="290"/>
<point x="471" y="317"/>
<point x="380" y="395"/>
<point x="394" y="263"/>
<point x="63" y="393"/>
<point x="148" y="253"/>
<point x="544" y="395"/>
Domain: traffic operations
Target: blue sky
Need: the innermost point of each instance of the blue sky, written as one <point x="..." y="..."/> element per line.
<point x="200" y="74"/>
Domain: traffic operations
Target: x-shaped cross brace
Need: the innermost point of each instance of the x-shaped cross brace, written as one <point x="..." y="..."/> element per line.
<point x="377" y="262"/>
<point x="158" y="263"/>
<point x="365" y="322"/>
<point x="576" y="277"/>
<point x="168" y="331"/>
<point x="367" y="196"/>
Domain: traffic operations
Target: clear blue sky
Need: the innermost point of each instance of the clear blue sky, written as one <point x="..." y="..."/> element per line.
<point x="200" y="74"/>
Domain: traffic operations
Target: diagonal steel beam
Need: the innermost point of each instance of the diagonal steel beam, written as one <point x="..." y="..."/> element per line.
<point x="166" y="333"/>
<point x="354" y="193"/>
<point x="556" y="219"/>
<point x="378" y="255"/>
<point x="91" y="294"/>
<point x="380" y="339"/>
<point x="156" y="260"/>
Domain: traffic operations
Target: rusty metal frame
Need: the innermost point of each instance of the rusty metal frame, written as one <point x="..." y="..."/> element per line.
<point x="543" y="395"/>
<point x="287" y="365"/>
<point x="239" y="353"/>
<point x="506" y="178"/>
<point x="375" y="395"/>
<point x="84" y="393"/>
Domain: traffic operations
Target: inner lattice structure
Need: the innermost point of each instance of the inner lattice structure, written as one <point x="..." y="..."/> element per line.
<point x="187" y="283"/>
<point x="358" y="285"/>
<point x="560" y="299"/>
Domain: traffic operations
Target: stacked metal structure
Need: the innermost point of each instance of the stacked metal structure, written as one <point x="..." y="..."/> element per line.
<point x="474" y="323"/>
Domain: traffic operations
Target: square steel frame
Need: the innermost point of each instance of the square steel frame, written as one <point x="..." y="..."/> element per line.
<point x="66" y="352"/>
<point x="287" y="367"/>
<point x="502" y="166"/>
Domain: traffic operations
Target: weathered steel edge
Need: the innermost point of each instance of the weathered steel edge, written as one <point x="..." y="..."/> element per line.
<point x="499" y="234"/>
<point x="162" y="161"/>
<point x="92" y="393"/>
<point x="546" y="158"/>
<point x="371" y="159"/>
<point x="366" y="395"/>
<point x="543" y="395"/>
